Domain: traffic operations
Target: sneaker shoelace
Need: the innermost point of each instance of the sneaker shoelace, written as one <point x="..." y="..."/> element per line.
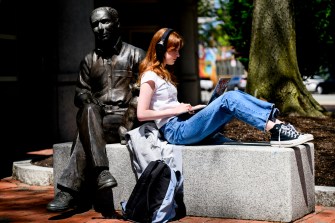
<point x="292" y="128"/>
<point x="288" y="131"/>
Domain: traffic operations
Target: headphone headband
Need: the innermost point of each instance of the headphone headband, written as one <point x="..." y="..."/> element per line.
<point x="161" y="45"/>
<point x="165" y="36"/>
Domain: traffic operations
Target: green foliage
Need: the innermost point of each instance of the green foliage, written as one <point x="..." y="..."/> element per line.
<point x="238" y="21"/>
<point x="211" y="33"/>
<point x="205" y="9"/>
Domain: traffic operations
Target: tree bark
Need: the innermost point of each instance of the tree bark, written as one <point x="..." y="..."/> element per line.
<point x="273" y="67"/>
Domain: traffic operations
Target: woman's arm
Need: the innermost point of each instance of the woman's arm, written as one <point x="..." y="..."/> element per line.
<point x="144" y="113"/>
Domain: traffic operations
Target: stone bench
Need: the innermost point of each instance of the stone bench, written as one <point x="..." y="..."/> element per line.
<point x="227" y="181"/>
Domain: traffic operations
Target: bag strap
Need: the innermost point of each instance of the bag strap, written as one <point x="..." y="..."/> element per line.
<point x="160" y="165"/>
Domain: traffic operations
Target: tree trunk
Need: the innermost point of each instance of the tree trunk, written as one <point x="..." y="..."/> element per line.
<point x="273" y="68"/>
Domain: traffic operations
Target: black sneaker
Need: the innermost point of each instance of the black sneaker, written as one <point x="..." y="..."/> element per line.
<point x="309" y="136"/>
<point x="62" y="201"/>
<point x="105" y="179"/>
<point x="284" y="136"/>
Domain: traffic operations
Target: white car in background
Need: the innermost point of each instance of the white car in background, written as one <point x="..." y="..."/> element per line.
<point x="312" y="82"/>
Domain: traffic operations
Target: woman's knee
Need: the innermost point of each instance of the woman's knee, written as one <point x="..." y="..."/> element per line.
<point x="232" y="94"/>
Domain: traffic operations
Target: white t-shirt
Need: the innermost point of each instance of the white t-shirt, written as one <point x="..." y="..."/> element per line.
<point x="164" y="97"/>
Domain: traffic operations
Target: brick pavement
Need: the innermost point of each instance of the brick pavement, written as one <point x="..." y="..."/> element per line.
<point x="20" y="202"/>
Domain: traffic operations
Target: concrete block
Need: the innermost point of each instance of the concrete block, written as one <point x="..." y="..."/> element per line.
<point x="30" y="174"/>
<point x="325" y="196"/>
<point x="228" y="181"/>
<point x="249" y="182"/>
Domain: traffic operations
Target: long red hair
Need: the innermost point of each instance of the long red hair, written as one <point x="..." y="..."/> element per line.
<point x="151" y="62"/>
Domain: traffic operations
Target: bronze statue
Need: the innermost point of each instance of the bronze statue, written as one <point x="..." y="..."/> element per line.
<point x="106" y="97"/>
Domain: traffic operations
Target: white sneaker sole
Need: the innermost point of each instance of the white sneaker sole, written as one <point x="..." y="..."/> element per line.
<point x="291" y="143"/>
<point x="310" y="137"/>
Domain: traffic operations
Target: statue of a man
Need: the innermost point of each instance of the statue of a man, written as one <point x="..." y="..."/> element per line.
<point x="107" y="109"/>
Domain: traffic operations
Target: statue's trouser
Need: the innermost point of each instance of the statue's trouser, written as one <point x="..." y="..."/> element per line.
<point x="88" y="153"/>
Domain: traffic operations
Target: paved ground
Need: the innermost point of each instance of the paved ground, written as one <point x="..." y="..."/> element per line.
<point x="325" y="99"/>
<point x="24" y="203"/>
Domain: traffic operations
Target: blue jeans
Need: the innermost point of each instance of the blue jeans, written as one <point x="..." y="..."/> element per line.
<point x="211" y="119"/>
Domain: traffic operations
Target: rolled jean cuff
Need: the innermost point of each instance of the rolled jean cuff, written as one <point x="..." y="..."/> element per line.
<point x="274" y="114"/>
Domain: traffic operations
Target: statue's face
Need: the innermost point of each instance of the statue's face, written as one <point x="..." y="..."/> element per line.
<point x="104" y="26"/>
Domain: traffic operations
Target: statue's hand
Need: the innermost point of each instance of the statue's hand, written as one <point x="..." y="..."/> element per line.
<point x="82" y="99"/>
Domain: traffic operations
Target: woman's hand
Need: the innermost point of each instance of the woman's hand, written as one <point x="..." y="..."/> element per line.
<point x="182" y="108"/>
